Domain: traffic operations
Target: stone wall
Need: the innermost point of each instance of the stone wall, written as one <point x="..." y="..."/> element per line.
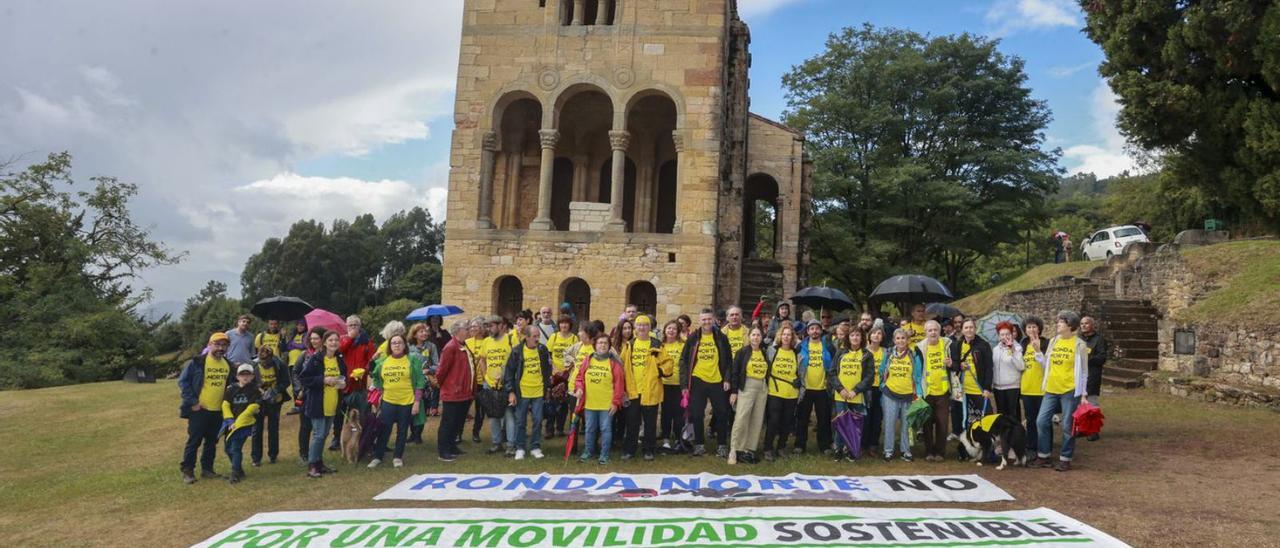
<point x="1066" y="293"/>
<point x="588" y="216"/>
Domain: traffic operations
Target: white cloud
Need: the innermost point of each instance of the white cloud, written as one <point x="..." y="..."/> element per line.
<point x="1066" y="72"/>
<point x="1106" y="155"/>
<point x="753" y="8"/>
<point x="1011" y="16"/>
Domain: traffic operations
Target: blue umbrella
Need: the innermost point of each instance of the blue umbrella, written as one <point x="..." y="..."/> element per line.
<point x="425" y="312"/>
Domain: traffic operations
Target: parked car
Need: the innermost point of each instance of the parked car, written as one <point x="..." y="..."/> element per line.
<point x="1110" y="241"/>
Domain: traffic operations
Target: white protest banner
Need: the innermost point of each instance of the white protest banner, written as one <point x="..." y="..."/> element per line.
<point x="759" y="525"/>
<point x="693" y="487"/>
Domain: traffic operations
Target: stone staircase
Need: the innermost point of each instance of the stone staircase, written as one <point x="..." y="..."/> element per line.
<point x="759" y="278"/>
<point x="1131" y="329"/>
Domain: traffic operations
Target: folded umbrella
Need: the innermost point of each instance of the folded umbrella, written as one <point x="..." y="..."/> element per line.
<point x="1087" y="420"/>
<point x="848" y="425"/>
<point x="430" y="310"/>
<point x="573" y="429"/>
<point x="285" y="309"/>
<point x="327" y="320"/>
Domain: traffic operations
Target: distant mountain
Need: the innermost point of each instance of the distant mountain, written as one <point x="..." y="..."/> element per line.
<point x="155" y="311"/>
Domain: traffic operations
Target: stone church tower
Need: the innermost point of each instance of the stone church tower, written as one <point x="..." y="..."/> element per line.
<point x="604" y="154"/>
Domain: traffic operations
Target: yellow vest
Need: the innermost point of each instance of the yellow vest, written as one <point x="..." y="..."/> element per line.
<point x="1033" y="376"/>
<point x="849" y="375"/>
<point x="815" y="378"/>
<point x="970" y="371"/>
<point x="215" y="383"/>
<point x="899" y="373"/>
<point x="599" y="385"/>
<point x="397" y="380"/>
<point x="531" y="380"/>
<point x="1062" y="367"/>
<point x="936" y="380"/>
<point x="785" y="369"/>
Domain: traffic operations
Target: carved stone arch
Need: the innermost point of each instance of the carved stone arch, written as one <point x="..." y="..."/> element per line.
<point x="507" y="95"/>
<point x="580" y="83"/>
<point x="658" y="89"/>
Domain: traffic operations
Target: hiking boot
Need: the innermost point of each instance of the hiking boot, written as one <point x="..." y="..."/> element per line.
<point x="493" y="449"/>
<point x="1063" y="466"/>
<point x="769" y="456"/>
<point x="1041" y="462"/>
<point x="210" y="474"/>
<point x="325" y="469"/>
<point x="375" y="463"/>
<point x="519" y="454"/>
<point x="748" y="457"/>
<point x="446" y="458"/>
<point x="188" y="476"/>
<point x="537" y="453"/>
<point x="699" y="450"/>
<point x="722" y="451"/>
<point x="397" y="463"/>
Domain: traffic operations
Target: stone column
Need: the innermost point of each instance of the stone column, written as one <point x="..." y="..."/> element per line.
<point x="677" y="139"/>
<point x="488" y="156"/>
<point x="548" y="138"/>
<point x="619" y="139"/>
<point x="579" y="12"/>
<point x="602" y="12"/>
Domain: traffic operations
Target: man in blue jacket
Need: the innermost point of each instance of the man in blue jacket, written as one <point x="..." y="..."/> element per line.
<point x="814" y="355"/>
<point x="527" y="378"/>
<point x="202" y="385"/>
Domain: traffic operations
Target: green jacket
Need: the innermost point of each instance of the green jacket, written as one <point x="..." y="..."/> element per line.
<point x="416" y="364"/>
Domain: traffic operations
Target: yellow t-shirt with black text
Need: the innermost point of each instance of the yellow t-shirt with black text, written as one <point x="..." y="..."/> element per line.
<point x="673" y="350"/>
<point x="1033" y="376"/>
<point x="495" y="351"/>
<point x="215" y="383"/>
<point x="785" y="370"/>
<point x="1062" y="367"/>
<point x="899" y="375"/>
<point x="269" y="340"/>
<point x="331" y="369"/>
<point x="707" y="363"/>
<point x="639" y="356"/>
<point x="397" y="381"/>
<point x="876" y="358"/>
<point x="531" y="380"/>
<point x="757" y="367"/>
<point x="815" y="376"/>
<point x="971" y="387"/>
<point x="737" y="338"/>
<point x="917" y="333"/>
<point x="599" y="385"/>
<point x="557" y="344"/>
<point x="937" y="382"/>
<point x="476" y="347"/>
<point x="850" y="374"/>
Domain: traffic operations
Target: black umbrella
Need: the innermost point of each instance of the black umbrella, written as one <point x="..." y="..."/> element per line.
<point x="911" y="288"/>
<point x="827" y="298"/>
<point x="942" y="310"/>
<point x="284" y="309"/>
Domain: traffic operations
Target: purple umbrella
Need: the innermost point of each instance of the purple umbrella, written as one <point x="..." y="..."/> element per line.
<point x="848" y="424"/>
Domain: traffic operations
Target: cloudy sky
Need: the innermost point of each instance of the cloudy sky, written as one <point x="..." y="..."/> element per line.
<point x="237" y="118"/>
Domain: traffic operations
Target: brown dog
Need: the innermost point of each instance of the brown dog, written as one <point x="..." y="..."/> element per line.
<point x="351" y="430"/>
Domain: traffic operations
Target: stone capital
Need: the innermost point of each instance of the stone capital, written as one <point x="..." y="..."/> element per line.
<point x="549" y="137"/>
<point x="490" y="141"/>
<point x="619" y="139"/>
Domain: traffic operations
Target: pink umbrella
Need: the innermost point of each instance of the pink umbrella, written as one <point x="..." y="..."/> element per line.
<point x="328" y="320"/>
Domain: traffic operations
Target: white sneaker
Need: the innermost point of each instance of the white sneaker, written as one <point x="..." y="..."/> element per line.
<point x="397" y="463"/>
<point x="519" y="454"/>
<point x="952" y="437"/>
<point x="374" y="463"/>
<point x="666" y="444"/>
<point x="537" y="453"/>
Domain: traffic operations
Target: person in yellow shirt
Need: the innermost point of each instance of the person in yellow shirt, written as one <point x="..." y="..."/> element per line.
<point x="672" y="419"/>
<point x="273" y="380"/>
<point x="815" y="353"/>
<point x="785" y="383"/>
<point x="398" y="374"/>
<point x="850" y="376"/>
<point x="600" y="387"/>
<point x="705" y="367"/>
<point x="476" y="336"/>
<point x="1032" y="391"/>
<point x="734" y="329"/>
<point x="971" y="358"/>
<point x="901" y="382"/>
<point x="272" y="339"/>
<point x="935" y="350"/>
<point x="240" y="404"/>
<point x="916" y="325"/>
<point x="875" y="414"/>
<point x="557" y="344"/>
<point x="526" y="380"/>
<point x="1066" y="363"/>
<point x="645" y="366"/>
<point x="201" y="385"/>
<point x="494" y="353"/>
<point x="750" y="396"/>
<point x="322" y="377"/>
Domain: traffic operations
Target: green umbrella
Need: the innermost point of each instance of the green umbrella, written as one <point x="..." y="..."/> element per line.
<point x="917" y="414"/>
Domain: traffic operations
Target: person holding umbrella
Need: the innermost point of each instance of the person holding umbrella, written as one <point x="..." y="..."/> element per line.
<point x="1066" y="361"/>
<point x="454" y="377"/>
<point x="972" y="356"/>
<point x="934" y="351"/>
<point x="815" y="354"/>
<point x="750" y="396"/>
<point x="705" y="368"/>
<point x="850" y="378"/>
<point x="902" y="381"/>
<point x="271" y="339"/>
<point x="323" y="377"/>
<point x="601" y="386"/>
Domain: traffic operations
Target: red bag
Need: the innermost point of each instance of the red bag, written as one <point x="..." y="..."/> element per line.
<point x="1087" y="420"/>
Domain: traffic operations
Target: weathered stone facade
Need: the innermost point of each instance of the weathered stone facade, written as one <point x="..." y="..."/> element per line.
<point x="559" y="99"/>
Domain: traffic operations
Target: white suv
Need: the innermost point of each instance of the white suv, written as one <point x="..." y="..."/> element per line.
<point x="1110" y="241"/>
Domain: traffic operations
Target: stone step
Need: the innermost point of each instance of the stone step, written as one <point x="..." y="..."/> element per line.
<point x="1135" y="364"/>
<point x="1136" y="344"/>
<point x="1144" y="335"/>
<point x="1127" y="309"/>
<point x="1121" y="382"/>
<point x="1122" y="369"/>
<point x="1140" y="353"/>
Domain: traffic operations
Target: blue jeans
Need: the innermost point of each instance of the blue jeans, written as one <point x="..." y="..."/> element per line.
<point x="841" y="407"/>
<point x="1051" y="404"/>
<point x="598" y="422"/>
<point x="506" y="423"/>
<point x="523" y="407"/>
<point x="895" y="409"/>
<point x="401" y="418"/>
<point x="235" y="447"/>
<point x="319" y="430"/>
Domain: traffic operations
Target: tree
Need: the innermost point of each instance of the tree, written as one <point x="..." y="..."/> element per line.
<point x="928" y="152"/>
<point x="1199" y="83"/>
<point x="409" y="239"/>
<point x="67" y="263"/>
<point x="207" y="312"/>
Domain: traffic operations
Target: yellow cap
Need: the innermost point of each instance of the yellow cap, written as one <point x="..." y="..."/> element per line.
<point x="219" y="336"/>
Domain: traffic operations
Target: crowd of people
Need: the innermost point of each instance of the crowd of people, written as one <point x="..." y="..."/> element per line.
<point x="637" y="389"/>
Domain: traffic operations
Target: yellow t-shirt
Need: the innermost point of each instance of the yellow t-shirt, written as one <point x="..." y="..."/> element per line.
<point x="815" y="376"/>
<point x="707" y="363"/>
<point x="298" y="340"/>
<point x="757" y="367"/>
<point x="215" y="383"/>
<point x="476" y="347"/>
<point x="1033" y="376"/>
<point x="495" y="359"/>
<point x="599" y="385"/>
<point x="849" y="375"/>
<point x="673" y="350"/>
<point x="513" y="338"/>
<point x="785" y="369"/>
<point x="936" y="380"/>
<point x="1062" y="367"/>
<point x="899" y="373"/>
<point x="971" y="387"/>
<point x="531" y="380"/>
<point x="737" y="338"/>
<point x="397" y="381"/>
<point x="331" y="392"/>
<point x="584" y="352"/>
<point x="639" y="355"/>
<point x="269" y="340"/>
<point x="876" y="357"/>
<point x="557" y="343"/>
<point x="917" y="333"/>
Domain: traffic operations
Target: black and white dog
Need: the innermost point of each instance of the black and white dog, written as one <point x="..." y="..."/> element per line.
<point x="999" y="434"/>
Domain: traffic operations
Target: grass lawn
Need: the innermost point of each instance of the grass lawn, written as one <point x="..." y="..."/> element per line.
<point x="1247" y="274"/>
<point x="98" y="465"/>
<point x="979" y="304"/>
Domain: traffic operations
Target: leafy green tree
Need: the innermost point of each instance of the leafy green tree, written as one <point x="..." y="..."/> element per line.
<point x="1199" y="82"/>
<point x="1156" y="198"/>
<point x="409" y="239"/>
<point x="67" y="263"/>
<point x="207" y="312"/>
<point x="375" y="317"/>
<point x="928" y="152"/>
<point x="421" y="284"/>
